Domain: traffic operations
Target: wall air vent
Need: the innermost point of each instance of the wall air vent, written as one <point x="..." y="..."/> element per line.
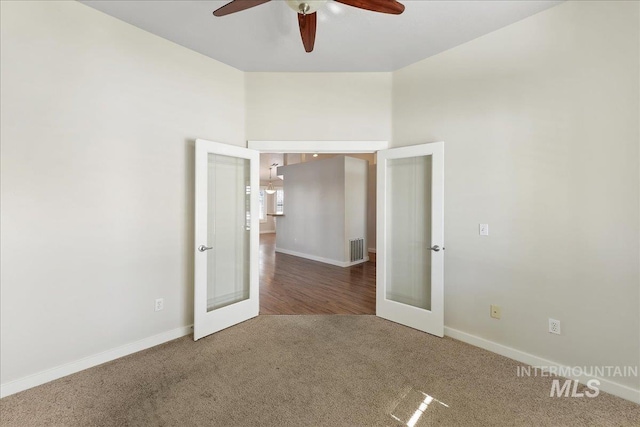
<point x="356" y="248"/>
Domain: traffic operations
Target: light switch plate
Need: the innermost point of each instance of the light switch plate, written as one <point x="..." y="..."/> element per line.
<point x="484" y="229"/>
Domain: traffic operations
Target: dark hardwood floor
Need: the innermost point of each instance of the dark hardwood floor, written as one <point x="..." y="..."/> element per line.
<point x="294" y="285"/>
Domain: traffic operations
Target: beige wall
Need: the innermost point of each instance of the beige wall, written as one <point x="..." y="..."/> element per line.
<point x="98" y="126"/>
<point x="541" y="123"/>
<point x="319" y="106"/>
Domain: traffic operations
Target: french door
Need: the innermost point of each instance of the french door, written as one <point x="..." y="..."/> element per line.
<point x="226" y="236"/>
<point x="410" y="236"/>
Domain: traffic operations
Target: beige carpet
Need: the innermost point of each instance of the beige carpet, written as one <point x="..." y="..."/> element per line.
<point x="309" y="371"/>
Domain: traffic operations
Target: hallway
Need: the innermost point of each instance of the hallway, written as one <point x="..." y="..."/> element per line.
<point x="294" y="285"/>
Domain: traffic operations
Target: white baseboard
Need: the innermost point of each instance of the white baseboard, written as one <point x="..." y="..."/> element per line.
<point x="39" y="378"/>
<point x="351" y="264"/>
<point x="268" y="232"/>
<point x="321" y="259"/>
<point x="607" y="386"/>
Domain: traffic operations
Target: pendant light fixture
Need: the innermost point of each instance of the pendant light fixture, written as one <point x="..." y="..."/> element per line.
<point x="270" y="189"/>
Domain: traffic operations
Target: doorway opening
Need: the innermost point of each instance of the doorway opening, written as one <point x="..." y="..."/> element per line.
<point x="317" y="233"/>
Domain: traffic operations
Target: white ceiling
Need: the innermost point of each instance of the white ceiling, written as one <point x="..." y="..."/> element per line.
<point x="267" y="38"/>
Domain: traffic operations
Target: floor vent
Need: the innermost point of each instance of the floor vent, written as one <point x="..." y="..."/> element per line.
<point x="356" y="247"/>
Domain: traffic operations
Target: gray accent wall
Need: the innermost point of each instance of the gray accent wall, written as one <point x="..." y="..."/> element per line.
<point x="325" y="206"/>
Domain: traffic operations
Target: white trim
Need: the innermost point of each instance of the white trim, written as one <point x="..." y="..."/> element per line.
<point x="607" y="386"/>
<point x="318" y="146"/>
<point x="268" y="232"/>
<point x="321" y="259"/>
<point x="351" y="264"/>
<point x="372" y="250"/>
<point x="43" y="377"/>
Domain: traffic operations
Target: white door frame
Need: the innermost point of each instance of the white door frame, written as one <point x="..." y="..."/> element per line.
<point x="319" y="147"/>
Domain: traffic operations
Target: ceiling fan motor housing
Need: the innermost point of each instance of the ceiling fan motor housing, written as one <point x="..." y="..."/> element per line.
<point x="306" y="7"/>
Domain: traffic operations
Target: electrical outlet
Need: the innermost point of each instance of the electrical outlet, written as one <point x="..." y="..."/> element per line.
<point x="484" y="229"/>
<point x="495" y="311"/>
<point x="159" y="304"/>
<point x="554" y="326"/>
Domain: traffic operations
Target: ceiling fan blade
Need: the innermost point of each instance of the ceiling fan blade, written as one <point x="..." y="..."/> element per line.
<point x="308" y="30"/>
<point x="383" y="6"/>
<point x="237" y="6"/>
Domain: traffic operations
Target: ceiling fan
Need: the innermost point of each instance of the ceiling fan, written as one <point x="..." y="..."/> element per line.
<point x="306" y="10"/>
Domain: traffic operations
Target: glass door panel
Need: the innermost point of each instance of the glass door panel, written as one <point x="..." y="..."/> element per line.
<point x="228" y="263"/>
<point x="408" y="234"/>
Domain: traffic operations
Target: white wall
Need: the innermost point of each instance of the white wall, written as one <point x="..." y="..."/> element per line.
<point x="318" y="106"/>
<point x="541" y="123"/>
<point x="98" y="123"/>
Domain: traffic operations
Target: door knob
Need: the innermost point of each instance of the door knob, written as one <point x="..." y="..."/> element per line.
<point x="203" y="248"/>
<point x="435" y="248"/>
